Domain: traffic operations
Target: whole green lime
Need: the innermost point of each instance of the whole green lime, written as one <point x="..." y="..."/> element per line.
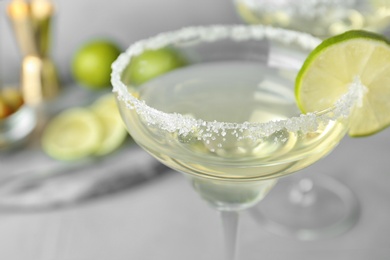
<point x="91" y="64"/>
<point x="152" y="63"/>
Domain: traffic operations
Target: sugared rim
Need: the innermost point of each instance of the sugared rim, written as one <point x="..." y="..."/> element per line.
<point x="184" y="125"/>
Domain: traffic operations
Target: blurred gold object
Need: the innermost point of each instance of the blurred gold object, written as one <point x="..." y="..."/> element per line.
<point x="31" y="22"/>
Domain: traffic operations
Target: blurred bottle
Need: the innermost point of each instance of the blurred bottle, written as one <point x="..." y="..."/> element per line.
<point x="31" y="22"/>
<point x="322" y="18"/>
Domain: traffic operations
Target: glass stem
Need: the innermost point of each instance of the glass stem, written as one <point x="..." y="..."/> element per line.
<point x="230" y="230"/>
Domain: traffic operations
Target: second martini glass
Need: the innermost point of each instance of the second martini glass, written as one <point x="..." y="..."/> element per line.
<point x="227" y="119"/>
<point x="322" y="18"/>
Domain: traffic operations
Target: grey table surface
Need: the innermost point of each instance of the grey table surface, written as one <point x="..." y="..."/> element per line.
<point x="124" y="207"/>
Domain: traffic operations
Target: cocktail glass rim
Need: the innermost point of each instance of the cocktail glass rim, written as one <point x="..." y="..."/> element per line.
<point x="175" y="122"/>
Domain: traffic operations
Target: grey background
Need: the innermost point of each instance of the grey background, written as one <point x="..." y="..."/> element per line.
<point x="122" y="20"/>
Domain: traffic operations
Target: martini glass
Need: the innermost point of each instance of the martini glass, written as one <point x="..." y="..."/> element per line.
<point x="227" y="119"/>
<point x="322" y="18"/>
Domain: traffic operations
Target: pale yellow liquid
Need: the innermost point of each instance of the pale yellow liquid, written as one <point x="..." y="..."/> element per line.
<point x="229" y="172"/>
<point x="229" y="92"/>
<point x="373" y="15"/>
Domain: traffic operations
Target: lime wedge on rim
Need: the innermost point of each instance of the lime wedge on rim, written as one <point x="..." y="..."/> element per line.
<point x="114" y="132"/>
<point x="330" y="69"/>
<point x="73" y="134"/>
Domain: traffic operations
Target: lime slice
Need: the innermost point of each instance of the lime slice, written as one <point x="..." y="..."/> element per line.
<point x="73" y="134"/>
<point x="114" y="132"/>
<point x="330" y="69"/>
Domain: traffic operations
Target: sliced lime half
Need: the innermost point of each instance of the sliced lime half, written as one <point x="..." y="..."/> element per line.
<point x="331" y="68"/>
<point x="73" y="134"/>
<point x="114" y="132"/>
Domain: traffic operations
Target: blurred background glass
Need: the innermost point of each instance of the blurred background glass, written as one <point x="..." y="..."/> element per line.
<point x="322" y="18"/>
